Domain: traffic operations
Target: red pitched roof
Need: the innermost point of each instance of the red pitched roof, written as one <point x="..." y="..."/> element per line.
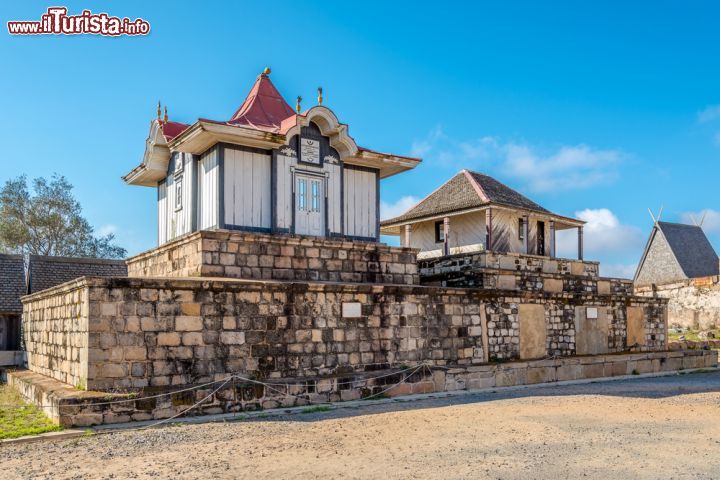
<point x="172" y="129"/>
<point x="264" y="108"/>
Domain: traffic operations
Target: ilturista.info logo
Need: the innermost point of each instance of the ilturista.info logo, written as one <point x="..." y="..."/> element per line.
<point x="57" y="22"/>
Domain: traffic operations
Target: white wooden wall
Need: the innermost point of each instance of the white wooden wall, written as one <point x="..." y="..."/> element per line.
<point x="360" y="203"/>
<point x="468" y="229"/>
<point x="247" y="188"/>
<point x="334" y="190"/>
<point x="284" y="192"/>
<point x="162" y="213"/>
<point x="209" y="173"/>
<point x="178" y="221"/>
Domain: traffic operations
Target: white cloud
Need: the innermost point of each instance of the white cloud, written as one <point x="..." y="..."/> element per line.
<point x="603" y="235"/>
<point x="423" y="146"/>
<point x="564" y="168"/>
<point x="710" y="113"/>
<point x="710" y="219"/>
<point x="391" y="210"/>
<point x="107" y="230"/>
<point x="571" y="167"/>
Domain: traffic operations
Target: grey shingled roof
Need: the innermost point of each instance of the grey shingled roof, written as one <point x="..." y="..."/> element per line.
<point x="47" y="272"/>
<point x="12" y="283"/>
<point x="459" y="193"/>
<point x="691" y="248"/>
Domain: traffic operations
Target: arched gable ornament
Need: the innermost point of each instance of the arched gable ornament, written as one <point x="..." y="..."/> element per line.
<point x="329" y="126"/>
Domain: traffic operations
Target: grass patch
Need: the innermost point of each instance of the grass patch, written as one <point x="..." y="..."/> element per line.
<point x="691" y="335"/>
<point x="20" y="418"/>
<point x="318" y="409"/>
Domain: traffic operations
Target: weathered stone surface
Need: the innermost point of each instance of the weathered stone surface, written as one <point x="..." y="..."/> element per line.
<point x="533" y="331"/>
<point x="233" y="254"/>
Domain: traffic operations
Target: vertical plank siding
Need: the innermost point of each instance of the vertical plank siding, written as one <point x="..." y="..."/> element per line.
<point x="360" y="202"/>
<point x="247" y="189"/>
<point x="178" y="221"/>
<point x="162" y="213"/>
<point x="208" y="194"/>
<point x="334" y="203"/>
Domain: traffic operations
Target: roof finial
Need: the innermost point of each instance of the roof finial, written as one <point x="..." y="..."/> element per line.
<point x="165" y="117"/>
<point x="297" y="105"/>
<point x="159" y="111"/>
<point x="320" y="97"/>
<point x="266" y="71"/>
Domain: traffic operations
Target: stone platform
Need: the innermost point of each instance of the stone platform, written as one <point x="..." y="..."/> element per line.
<point x="118" y="333"/>
<point x="257" y="256"/>
<point x="71" y="407"/>
<point x="514" y="271"/>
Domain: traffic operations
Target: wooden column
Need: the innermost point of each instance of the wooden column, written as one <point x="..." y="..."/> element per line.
<point x="446" y="235"/>
<point x="552" y="238"/>
<point x="580" y="243"/>
<point x="408" y="233"/>
<point x="488" y="229"/>
<point x="526" y="233"/>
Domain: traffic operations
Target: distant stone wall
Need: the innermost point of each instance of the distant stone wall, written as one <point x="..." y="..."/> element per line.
<point x="693" y="303"/>
<point x="527" y="273"/>
<point x="56" y="329"/>
<point x="277" y="257"/>
<point x="140" y="332"/>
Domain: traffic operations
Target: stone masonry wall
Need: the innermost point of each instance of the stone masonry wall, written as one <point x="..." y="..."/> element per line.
<point x="693" y="303"/>
<point x="489" y="270"/>
<point x="151" y="332"/>
<point x="56" y="333"/>
<point x="277" y="257"/>
<point x="71" y="407"/>
<point x="503" y="322"/>
<point x="163" y="332"/>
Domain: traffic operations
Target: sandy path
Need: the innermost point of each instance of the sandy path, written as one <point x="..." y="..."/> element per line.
<point x="645" y="428"/>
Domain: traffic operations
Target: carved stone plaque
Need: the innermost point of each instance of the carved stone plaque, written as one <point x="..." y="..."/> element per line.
<point x="310" y="150"/>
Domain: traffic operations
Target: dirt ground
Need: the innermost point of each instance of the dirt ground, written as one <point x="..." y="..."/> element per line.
<point x="642" y="429"/>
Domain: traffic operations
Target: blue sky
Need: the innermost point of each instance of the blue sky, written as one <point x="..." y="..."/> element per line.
<point x="598" y="111"/>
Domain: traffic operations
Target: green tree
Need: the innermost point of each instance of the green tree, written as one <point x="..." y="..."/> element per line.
<point x="49" y="221"/>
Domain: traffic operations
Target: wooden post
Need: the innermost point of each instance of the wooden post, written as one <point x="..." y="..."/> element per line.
<point x="552" y="238"/>
<point x="446" y="234"/>
<point x="408" y="232"/>
<point x="580" y="243"/>
<point x="526" y="232"/>
<point x="488" y="229"/>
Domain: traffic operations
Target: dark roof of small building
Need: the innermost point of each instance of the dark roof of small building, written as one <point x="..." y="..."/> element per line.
<point x="690" y="247"/>
<point x="12" y="283"/>
<point x="46" y="272"/>
<point x="467" y="190"/>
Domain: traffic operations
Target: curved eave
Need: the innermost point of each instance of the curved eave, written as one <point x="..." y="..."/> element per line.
<point x="387" y="163"/>
<point x="203" y="134"/>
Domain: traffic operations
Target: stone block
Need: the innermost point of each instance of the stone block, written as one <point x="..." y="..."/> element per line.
<point x="232" y="338"/>
<point x="134" y="353"/>
<point x="541" y="375"/>
<point x="170" y="339"/>
<point x="192" y="339"/>
<point x="553" y="285"/>
<point x="506" y="282"/>
<point x="191" y="309"/>
<point x="188" y="324"/>
<point x="533" y="332"/>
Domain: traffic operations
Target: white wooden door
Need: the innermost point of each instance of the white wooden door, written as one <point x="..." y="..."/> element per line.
<point x="309" y="205"/>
